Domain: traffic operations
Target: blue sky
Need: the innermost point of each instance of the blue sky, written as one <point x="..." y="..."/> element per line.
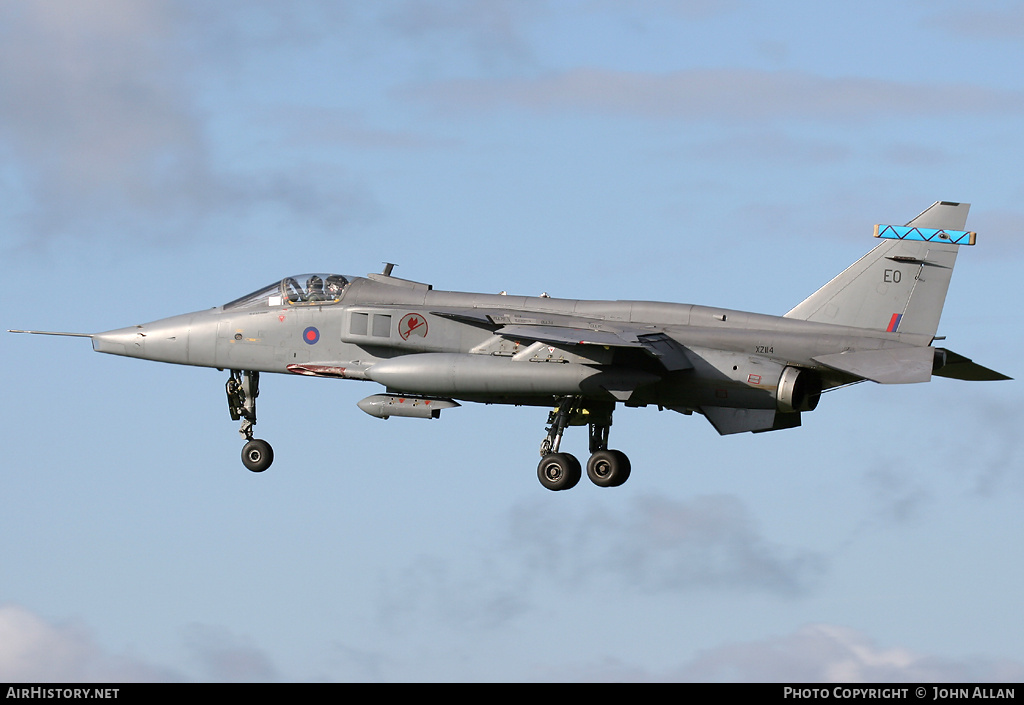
<point x="164" y="157"/>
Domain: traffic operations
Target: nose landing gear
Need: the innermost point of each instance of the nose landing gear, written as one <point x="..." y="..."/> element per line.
<point x="257" y="455"/>
<point x="242" y="389"/>
<point x="561" y="471"/>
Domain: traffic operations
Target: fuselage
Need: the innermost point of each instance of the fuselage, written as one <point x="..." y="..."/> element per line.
<point x="498" y="348"/>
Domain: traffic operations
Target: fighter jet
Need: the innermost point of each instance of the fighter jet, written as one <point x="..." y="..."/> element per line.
<point x="431" y="349"/>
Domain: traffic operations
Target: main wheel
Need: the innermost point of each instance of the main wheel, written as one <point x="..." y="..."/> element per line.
<point x="559" y="471"/>
<point x="257" y="455"/>
<point x="608" y="468"/>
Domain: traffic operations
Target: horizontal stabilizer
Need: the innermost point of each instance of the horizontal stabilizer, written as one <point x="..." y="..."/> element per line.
<point x="960" y="367"/>
<point x="889" y="366"/>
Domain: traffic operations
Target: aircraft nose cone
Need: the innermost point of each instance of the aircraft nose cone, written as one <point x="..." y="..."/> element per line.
<point x="123" y="341"/>
<point x="165" y="340"/>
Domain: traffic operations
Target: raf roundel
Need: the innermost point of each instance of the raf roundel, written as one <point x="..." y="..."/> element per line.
<point x="311" y="335"/>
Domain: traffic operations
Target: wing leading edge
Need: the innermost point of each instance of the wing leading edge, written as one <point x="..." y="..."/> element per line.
<point x="660" y="346"/>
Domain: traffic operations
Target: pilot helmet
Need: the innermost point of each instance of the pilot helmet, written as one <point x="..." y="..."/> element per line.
<point x="335" y="284"/>
<point x="315" y="283"/>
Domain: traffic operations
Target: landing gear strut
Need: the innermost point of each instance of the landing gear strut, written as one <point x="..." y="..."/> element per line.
<point x="561" y="471"/>
<point x="242" y="389"/>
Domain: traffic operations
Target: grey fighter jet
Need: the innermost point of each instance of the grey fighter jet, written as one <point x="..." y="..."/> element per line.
<point x="431" y="349"/>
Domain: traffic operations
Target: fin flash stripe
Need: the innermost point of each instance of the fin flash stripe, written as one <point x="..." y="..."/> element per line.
<point x="902" y="232"/>
<point x="894" y="323"/>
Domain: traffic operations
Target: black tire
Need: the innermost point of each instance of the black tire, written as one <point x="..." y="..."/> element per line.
<point x="608" y="468"/>
<point x="559" y="471"/>
<point x="257" y="455"/>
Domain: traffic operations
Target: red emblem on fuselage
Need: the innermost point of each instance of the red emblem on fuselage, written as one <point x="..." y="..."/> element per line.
<point x="412" y="324"/>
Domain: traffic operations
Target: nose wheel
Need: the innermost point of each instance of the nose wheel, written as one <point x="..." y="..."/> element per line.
<point x="562" y="471"/>
<point x="242" y="389"/>
<point x="257" y="455"/>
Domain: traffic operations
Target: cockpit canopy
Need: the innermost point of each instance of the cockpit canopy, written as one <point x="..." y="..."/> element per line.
<point x="300" y="290"/>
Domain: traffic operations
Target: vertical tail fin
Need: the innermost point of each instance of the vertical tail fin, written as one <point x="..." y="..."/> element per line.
<point x="900" y="286"/>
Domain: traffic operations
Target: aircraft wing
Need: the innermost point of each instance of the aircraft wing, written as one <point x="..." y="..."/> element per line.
<point x="564" y="330"/>
<point x="660" y="346"/>
<point x="473" y="317"/>
<point x="567" y="336"/>
<point x="666" y="350"/>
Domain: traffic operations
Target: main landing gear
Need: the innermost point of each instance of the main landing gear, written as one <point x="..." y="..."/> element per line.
<point x="242" y="389"/>
<point x="561" y="471"/>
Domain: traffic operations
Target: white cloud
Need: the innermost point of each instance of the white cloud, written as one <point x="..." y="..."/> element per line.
<point x="35" y="650"/>
<point x="816" y="653"/>
<point x="832" y="654"/>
